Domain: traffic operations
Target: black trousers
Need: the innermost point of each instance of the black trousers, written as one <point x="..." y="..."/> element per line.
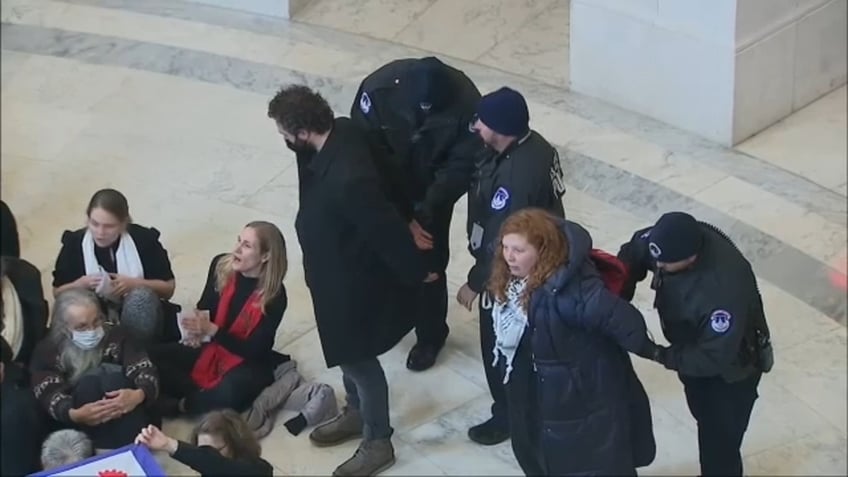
<point x="237" y="390"/>
<point x="722" y="411"/>
<point x="22" y="429"/>
<point x="494" y="374"/>
<point x="120" y="431"/>
<point x="431" y="307"/>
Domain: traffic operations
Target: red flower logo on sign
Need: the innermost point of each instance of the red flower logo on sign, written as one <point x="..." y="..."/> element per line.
<point x="112" y="473"/>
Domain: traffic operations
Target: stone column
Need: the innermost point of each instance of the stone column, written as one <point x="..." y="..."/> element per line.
<point x="722" y="69"/>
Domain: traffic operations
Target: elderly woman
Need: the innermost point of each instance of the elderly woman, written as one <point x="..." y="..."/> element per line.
<point x="23" y="306"/>
<point x="576" y="405"/>
<point x="92" y="376"/>
<point x="124" y="263"/>
<point x="226" y="358"/>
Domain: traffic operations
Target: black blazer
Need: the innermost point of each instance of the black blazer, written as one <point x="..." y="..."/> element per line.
<point x="10" y="244"/>
<point x="27" y="282"/>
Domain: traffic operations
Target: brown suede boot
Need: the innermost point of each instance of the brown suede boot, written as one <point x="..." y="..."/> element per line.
<point x="342" y="428"/>
<point x="371" y="458"/>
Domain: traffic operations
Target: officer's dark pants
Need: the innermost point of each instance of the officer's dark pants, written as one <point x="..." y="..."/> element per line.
<point x="431" y="308"/>
<point x="494" y="375"/>
<point x="722" y="410"/>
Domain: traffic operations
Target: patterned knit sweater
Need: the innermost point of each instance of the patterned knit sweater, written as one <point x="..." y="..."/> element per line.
<point x="50" y="380"/>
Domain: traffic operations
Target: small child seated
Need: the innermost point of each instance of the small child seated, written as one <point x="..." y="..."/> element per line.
<point x="221" y="444"/>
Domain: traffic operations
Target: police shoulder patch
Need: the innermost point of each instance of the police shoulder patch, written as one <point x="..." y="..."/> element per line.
<point x="720" y="321"/>
<point x="500" y="198"/>
<point x="365" y="103"/>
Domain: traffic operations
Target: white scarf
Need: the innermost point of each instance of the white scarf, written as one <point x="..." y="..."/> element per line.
<point x="509" y="321"/>
<point x="126" y="257"/>
<point x="13" y="325"/>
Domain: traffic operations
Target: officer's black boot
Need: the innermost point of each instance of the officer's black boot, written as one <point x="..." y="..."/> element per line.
<point x="423" y="356"/>
<point x="431" y="325"/>
<point x="489" y="433"/>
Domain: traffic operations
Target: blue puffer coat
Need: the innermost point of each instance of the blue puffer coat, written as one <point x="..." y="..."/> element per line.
<point x="595" y="415"/>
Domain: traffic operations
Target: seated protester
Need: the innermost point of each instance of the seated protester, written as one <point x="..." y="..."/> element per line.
<point x="65" y="447"/>
<point x="21" y="427"/>
<point x="221" y="444"/>
<point x="227" y="359"/>
<point x="576" y="405"/>
<point x="10" y="243"/>
<point x="92" y="376"/>
<point x="124" y="263"/>
<point x="24" y="307"/>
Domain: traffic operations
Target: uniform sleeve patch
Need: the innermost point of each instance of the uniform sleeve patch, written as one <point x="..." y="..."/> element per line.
<point x="500" y="199"/>
<point x="365" y="103"/>
<point x="720" y="321"/>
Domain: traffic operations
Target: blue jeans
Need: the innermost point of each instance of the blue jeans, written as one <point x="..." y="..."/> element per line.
<point x="368" y="391"/>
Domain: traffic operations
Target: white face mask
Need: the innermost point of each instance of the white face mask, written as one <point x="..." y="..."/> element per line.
<point x="88" y="339"/>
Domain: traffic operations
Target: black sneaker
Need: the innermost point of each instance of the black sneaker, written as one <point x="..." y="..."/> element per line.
<point x="422" y="356"/>
<point x="488" y="433"/>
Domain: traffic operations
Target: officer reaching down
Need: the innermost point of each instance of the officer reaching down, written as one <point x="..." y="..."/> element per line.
<point x="416" y="112"/>
<point x="712" y="315"/>
<point x="522" y="170"/>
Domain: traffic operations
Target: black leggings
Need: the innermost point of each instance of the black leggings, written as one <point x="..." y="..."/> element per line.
<point x="237" y="390"/>
<point x="120" y="431"/>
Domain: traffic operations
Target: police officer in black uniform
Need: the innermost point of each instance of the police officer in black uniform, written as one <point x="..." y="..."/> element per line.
<point x="522" y="170"/>
<point x="416" y="113"/>
<point x="712" y="314"/>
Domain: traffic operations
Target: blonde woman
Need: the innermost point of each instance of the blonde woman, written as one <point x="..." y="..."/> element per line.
<point x="221" y="444"/>
<point x="576" y="405"/>
<point x="227" y="358"/>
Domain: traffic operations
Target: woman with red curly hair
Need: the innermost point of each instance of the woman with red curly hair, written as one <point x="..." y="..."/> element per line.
<point x="576" y="405"/>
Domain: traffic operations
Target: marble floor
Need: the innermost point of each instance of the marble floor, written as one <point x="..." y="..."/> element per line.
<point x="810" y="142"/>
<point x="166" y="101"/>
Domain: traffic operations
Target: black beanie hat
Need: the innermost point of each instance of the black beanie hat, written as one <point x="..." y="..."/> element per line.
<point x="675" y="237"/>
<point x="505" y="112"/>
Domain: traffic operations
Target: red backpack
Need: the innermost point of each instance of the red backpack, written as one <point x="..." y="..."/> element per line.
<point x="613" y="271"/>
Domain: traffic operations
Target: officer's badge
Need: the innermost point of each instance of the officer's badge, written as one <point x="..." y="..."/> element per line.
<point x="365" y="103"/>
<point x="500" y="199"/>
<point x="720" y="321"/>
<point x="655" y="250"/>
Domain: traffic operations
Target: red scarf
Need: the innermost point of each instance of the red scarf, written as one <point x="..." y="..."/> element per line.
<point x="215" y="360"/>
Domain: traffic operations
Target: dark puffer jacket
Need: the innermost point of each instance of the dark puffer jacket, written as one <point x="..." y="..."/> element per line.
<point x="595" y="414"/>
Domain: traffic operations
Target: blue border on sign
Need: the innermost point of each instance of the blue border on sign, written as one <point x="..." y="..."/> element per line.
<point x="141" y="453"/>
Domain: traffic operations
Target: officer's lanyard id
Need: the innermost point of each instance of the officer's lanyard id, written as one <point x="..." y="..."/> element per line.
<point x="476" y="236"/>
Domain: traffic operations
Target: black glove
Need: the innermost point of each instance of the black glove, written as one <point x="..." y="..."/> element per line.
<point x="296" y="424"/>
<point x="654" y="352"/>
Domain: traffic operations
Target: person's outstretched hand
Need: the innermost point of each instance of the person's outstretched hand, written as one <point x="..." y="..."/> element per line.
<point x="156" y="440"/>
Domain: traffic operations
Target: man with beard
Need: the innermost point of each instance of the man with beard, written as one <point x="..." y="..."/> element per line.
<point x="91" y="376"/>
<point x="416" y="114"/>
<point x="522" y="170"/>
<point x="360" y="264"/>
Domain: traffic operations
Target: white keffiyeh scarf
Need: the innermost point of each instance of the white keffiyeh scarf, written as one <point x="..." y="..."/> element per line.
<point x="510" y="320"/>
